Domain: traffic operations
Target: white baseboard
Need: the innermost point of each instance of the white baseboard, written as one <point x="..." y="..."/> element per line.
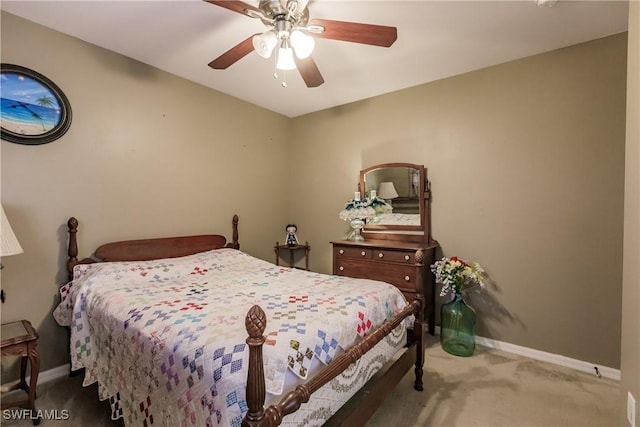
<point x="55" y="373"/>
<point x="556" y="359"/>
<point x="45" y="376"/>
<point x="543" y="356"/>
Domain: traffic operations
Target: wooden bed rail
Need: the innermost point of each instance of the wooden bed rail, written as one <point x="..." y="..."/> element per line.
<point x="256" y="322"/>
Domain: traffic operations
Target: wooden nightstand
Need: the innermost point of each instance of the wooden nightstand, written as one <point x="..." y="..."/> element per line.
<point x="20" y="339"/>
<point x="278" y="248"/>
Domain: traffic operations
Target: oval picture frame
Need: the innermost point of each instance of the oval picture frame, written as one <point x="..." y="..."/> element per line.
<point x="33" y="109"/>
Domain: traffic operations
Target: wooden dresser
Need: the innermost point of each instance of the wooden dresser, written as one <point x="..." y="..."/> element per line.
<point x="403" y="264"/>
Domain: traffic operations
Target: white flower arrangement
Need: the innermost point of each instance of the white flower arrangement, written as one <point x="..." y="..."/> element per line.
<point x="363" y="209"/>
<point x="457" y="275"/>
<point x="381" y="206"/>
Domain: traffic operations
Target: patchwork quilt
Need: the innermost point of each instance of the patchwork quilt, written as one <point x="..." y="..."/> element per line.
<point x="398" y="219"/>
<point x="165" y="339"/>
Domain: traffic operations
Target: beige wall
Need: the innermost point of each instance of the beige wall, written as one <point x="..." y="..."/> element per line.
<point x="526" y="161"/>
<point x="147" y="154"/>
<point x="630" y="351"/>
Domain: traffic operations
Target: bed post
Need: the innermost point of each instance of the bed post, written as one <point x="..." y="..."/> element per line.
<point x="72" y="224"/>
<point x="418" y="329"/>
<point x="234" y="244"/>
<point x="418" y="332"/>
<point x="256" y="323"/>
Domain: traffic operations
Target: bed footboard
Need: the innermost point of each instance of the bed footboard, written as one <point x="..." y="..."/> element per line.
<point x="256" y="322"/>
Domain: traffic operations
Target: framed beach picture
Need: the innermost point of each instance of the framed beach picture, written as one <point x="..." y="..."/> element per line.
<point x="34" y="110"/>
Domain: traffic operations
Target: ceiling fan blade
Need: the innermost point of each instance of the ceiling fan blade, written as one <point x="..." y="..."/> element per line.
<point x="233" y="55"/>
<point x="236" y="6"/>
<point x="377" y="35"/>
<point x="309" y="71"/>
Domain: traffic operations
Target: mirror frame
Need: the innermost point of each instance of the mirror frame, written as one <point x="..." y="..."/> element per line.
<point x="423" y="228"/>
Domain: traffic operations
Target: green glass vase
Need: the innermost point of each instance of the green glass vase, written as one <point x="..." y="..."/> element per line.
<point x="458" y="327"/>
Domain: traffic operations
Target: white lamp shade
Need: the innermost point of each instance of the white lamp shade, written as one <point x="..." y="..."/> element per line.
<point x="264" y="43"/>
<point x="387" y="191"/>
<point x="10" y="244"/>
<point x="285" y="59"/>
<point x="302" y="44"/>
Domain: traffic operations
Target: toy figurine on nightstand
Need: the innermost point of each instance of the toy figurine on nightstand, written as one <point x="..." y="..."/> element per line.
<point x="292" y="240"/>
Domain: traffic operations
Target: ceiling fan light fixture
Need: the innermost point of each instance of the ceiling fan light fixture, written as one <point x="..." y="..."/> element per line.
<point x="285" y="57"/>
<point x="265" y="43"/>
<point x="302" y="44"/>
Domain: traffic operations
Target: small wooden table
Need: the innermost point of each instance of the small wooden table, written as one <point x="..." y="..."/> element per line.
<point x="20" y="339"/>
<point x="292" y="249"/>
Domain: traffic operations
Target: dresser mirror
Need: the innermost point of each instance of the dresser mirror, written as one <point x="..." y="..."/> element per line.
<point x="404" y="187"/>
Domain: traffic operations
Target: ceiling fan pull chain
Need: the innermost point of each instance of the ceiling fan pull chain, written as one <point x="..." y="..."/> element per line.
<point x="275" y="70"/>
<point x="275" y="65"/>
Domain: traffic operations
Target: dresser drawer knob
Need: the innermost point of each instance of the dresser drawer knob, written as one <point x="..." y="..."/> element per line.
<point x="341" y="251"/>
<point x="363" y="253"/>
<point x="341" y="268"/>
<point x="407" y="278"/>
<point x="406" y="257"/>
<point x="380" y="255"/>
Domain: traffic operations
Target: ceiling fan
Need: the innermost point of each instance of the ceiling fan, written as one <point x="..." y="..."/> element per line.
<point x="290" y="34"/>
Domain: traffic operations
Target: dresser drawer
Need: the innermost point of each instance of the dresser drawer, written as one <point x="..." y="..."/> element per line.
<point x="348" y="252"/>
<point x="403" y="277"/>
<point x="393" y="256"/>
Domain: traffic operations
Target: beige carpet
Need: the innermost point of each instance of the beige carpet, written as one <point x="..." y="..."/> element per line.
<point x="490" y="389"/>
<point x="498" y="389"/>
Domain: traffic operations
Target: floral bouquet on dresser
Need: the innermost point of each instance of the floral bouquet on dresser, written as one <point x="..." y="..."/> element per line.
<point x="360" y="211"/>
<point x="457" y="319"/>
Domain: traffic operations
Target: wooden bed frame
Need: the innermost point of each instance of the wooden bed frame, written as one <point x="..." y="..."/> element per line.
<point x="353" y="413"/>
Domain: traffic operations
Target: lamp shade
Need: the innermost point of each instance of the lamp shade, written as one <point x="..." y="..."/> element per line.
<point x="285" y="58"/>
<point x="264" y="43"/>
<point x="387" y="191"/>
<point x="302" y="44"/>
<point x="10" y="244"/>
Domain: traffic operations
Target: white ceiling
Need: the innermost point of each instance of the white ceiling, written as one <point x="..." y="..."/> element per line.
<point x="436" y="39"/>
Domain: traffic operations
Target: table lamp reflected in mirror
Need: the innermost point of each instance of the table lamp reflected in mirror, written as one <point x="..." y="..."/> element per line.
<point x="387" y="191"/>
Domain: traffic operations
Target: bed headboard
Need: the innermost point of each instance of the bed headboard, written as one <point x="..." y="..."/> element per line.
<point x="148" y="249"/>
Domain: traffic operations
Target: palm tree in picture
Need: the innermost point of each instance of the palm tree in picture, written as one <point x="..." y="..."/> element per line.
<point x="45" y="101"/>
<point x="49" y="102"/>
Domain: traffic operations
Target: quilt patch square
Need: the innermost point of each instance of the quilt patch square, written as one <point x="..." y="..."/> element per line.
<point x="364" y="324"/>
<point x="299" y="358"/>
<point x="226" y="363"/>
<point x="326" y="347"/>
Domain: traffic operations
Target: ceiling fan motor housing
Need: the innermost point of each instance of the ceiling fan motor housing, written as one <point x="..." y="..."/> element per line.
<point x="277" y="10"/>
